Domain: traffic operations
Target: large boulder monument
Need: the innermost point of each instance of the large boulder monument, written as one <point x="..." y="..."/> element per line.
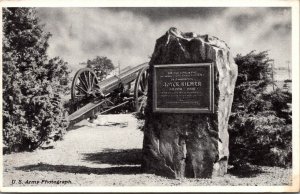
<point x="191" y="85"/>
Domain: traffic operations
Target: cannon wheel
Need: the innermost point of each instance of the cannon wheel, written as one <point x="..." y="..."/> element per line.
<point x="141" y="90"/>
<point x="84" y="85"/>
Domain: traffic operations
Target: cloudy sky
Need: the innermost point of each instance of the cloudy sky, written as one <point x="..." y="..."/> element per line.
<point x="127" y="35"/>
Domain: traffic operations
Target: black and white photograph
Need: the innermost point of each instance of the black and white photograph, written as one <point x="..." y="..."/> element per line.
<point x="116" y="97"/>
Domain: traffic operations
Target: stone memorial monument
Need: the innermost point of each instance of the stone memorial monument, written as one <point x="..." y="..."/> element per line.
<point x="191" y="86"/>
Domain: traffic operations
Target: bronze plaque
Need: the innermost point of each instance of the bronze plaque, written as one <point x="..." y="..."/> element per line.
<point x="183" y="88"/>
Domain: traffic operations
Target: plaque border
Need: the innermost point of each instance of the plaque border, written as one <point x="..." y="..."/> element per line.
<point x="210" y="109"/>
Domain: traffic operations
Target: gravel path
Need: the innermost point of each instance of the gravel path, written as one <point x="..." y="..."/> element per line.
<point x="108" y="154"/>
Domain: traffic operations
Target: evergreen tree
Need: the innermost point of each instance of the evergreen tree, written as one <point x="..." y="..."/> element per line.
<point x="260" y="130"/>
<point x="32" y="108"/>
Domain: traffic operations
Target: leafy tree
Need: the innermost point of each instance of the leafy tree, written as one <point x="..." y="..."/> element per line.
<point x="101" y="65"/>
<point x="260" y="130"/>
<point x="32" y="106"/>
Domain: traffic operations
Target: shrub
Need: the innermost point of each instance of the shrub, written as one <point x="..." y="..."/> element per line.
<point x="32" y="106"/>
<point x="260" y="125"/>
<point x="262" y="139"/>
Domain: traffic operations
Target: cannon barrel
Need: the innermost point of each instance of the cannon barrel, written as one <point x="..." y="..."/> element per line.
<point x="86" y="84"/>
<point x="112" y="83"/>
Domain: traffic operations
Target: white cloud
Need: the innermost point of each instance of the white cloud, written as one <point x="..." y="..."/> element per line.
<point x="83" y="33"/>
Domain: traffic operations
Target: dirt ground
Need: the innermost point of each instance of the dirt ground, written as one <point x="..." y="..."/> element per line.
<point x="108" y="153"/>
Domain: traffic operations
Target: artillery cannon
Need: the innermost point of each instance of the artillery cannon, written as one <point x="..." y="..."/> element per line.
<point x="91" y="97"/>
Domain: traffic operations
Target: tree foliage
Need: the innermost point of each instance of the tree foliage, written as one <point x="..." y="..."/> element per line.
<point x="32" y="107"/>
<point x="101" y="65"/>
<point x="260" y="125"/>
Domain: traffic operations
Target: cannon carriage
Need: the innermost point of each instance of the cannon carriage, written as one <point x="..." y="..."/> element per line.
<point x="91" y="97"/>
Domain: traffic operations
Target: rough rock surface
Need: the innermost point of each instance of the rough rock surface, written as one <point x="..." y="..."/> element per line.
<point x="190" y="145"/>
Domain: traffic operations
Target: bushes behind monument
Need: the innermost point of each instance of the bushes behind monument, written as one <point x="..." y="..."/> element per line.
<point x="260" y="124"/>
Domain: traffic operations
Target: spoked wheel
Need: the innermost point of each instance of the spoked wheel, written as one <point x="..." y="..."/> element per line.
<point x="141" y="90"/>
<point x="84" y="85"/>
